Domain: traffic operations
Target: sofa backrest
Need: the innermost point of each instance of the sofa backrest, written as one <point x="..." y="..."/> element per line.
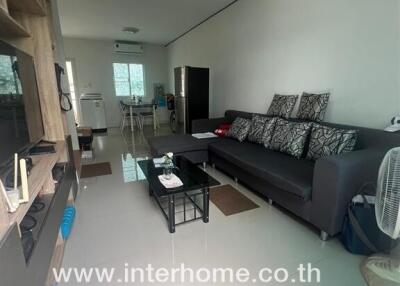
<point x="368" y="137"/>
<point x="230" y="115"/>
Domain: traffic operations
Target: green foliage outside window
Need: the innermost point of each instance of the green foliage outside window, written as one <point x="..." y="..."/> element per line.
<point x="9" y="83"/>
<point x="129" y="79"/>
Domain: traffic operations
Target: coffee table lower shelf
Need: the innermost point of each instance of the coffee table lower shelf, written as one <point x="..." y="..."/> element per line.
<point x="183" y="207"/>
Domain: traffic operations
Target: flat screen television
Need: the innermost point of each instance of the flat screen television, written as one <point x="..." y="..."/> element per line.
<point x="21" y="124"/>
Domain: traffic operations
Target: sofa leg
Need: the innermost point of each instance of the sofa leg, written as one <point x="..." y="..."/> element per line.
<point x="271" y="202"/>
<point x="324" y="236"/>
<point x="204" y="166"/>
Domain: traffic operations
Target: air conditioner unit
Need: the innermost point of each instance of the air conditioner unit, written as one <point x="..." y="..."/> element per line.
<point x="128" y="48"/>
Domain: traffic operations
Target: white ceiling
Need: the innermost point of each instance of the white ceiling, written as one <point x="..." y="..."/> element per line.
<point x="159" y="21"/>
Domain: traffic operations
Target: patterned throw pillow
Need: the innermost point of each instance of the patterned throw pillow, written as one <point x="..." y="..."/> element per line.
<point x="258" y="124"/>
<point x="326" y="141"/>
<point x="240" y="128"/>
<point x="313" y="106"/>
<point x="290" y="137"/>
<point x="282" y="105"/>
<point x="268" y="132"/>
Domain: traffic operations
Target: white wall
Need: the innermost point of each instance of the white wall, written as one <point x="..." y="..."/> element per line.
<point x="257" y="48"/>
<point x="93" y="61"/>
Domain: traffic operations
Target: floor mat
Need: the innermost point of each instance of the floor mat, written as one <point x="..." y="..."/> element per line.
<point x="95" y="170"/>
<point x="230" y="201"/>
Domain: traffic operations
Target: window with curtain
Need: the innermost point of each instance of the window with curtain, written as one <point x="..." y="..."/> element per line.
<point x="129" y="79"/>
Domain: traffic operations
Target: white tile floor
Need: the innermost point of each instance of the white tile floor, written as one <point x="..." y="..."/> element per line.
<point x="118" y="223"/>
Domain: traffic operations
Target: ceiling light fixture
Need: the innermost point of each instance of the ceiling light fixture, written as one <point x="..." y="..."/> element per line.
<point x="130" y="30"/>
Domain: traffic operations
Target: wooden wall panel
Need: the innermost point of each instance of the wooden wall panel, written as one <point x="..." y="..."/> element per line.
<point x="56" y="48"/>
<point x="40" y="46"/>
<point x="49" y="17"/>
<point x="3" y="4"/>
<point x="44" y="60"/>
<point x="34" y="7"/>
<point x="24" y="44"/>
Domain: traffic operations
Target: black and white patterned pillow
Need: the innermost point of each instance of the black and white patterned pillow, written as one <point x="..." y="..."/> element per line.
<point x="258" y="124"/>
<point x="290" y="137"/>
<point x="313" y="106"/>
<point x="282" y="105"/>
<point x="239" y="129"/>
<point x="268" y="132"/>
<point x="326" y="141"/>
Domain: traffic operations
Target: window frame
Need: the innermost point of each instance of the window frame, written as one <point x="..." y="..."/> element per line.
<point x="77" y="114"/>
<point x="129" y="79"/>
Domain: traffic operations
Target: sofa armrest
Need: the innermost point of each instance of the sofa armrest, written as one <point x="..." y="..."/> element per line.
<point x="336" y="181"/>
<point x="206" y="125"/>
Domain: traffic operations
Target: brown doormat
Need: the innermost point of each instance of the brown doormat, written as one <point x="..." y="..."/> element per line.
<point x="230" y="201"/>
<point x="95" y="170"/>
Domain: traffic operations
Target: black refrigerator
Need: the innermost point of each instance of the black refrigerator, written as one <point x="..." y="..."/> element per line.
<point x="191" y="96"/>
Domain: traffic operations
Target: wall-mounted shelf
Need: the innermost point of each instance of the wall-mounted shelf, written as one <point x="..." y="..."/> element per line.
<point x="9" y="28"/>
<point x="34" y="7"/>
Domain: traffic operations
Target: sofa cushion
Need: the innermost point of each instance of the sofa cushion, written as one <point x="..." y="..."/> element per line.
<point x="367" y="137"/>
<point x="283" y="171"/>
<point x="313" y="106"/>
<point x="268" y="132"/>
<point x="239" y="129"/>
<point x="326" y="141"/>
<point x="290" y="137"/>
<point x="256" y="129"/>
<point x="261" y="130"/>
<point x="282" y="105"/>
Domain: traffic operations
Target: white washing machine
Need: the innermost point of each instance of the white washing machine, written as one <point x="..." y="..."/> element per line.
<point x="93" y="113"/>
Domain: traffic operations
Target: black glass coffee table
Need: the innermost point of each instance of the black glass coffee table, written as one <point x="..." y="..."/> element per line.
<point x="183" y="204"/>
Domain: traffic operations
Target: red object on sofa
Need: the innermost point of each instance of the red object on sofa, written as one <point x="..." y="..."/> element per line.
<point x="222" y="130"/>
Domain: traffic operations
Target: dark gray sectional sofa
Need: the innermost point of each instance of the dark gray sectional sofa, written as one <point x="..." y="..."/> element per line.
<point x="319" y="191"/>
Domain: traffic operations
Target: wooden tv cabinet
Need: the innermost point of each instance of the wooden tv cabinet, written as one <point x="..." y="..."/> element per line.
<point x="49" y="247"/>
<point x="30" y="26"/>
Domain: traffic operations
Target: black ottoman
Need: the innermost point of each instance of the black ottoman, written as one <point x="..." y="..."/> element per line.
<point x="195" y="150"/>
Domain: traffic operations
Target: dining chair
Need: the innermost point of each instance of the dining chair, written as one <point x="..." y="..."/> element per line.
<point x="149" y="113"/>
<point x="126" y="116"/>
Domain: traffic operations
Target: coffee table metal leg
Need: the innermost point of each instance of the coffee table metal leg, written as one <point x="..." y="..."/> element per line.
<point x="171" y="213"/>
<point x="206" y="201"/>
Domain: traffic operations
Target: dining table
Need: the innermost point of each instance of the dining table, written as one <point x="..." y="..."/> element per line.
<point x="140" y="105"/>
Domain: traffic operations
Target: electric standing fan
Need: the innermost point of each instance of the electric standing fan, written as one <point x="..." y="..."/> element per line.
<point x="385" y="270"/>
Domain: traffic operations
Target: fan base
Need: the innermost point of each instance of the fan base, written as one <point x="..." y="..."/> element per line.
<point x="381" y="270"/>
